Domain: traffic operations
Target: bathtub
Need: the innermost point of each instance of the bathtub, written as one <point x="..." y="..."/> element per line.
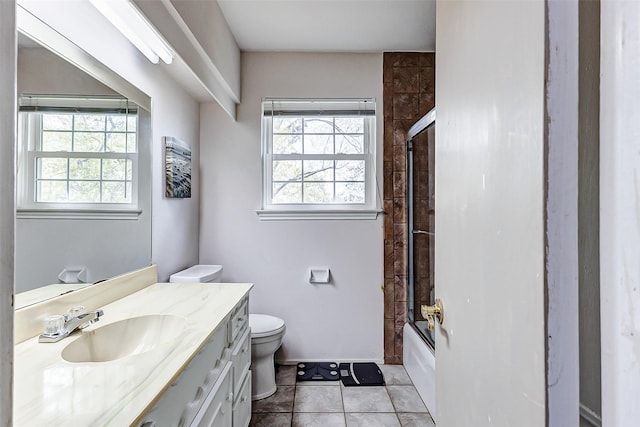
<point x="420" y="363"/>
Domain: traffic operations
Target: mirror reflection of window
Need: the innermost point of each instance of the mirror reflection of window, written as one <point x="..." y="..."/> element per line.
<point x="77" y="153"/>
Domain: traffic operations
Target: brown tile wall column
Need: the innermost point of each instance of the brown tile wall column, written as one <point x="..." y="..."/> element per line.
<point x="409" y="93"/>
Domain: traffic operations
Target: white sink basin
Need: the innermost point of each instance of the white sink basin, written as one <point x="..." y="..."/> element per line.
<point x="124" y="338"/>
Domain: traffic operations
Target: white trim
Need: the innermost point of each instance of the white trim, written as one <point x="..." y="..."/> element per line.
<point x="365" y="210"/>
<point x="77" y="214"/>
<point x="561" y="208"/>
<point x="30" y="144"/>
<point x="202" y="53"/>
<point x="8" y="50"/>
<point x="285" y="215"/>
<point x="423" y="123"/>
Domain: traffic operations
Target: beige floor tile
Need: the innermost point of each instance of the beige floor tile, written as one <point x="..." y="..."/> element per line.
<point x="319" y="383"/>
<point x="270" y="420"/>
<point x="318" y="399"/>
<point x="286" y="375"/>
<point x="330" y="404"/>
<point x="372" y="420"/>
<point x="405" y="398"/>
<point x="395" y="375"/>
<point x="366" y="399"/>
<point x="306" y="419"/>
<point x="415" y="420"/>
<point x="281" y="401"/>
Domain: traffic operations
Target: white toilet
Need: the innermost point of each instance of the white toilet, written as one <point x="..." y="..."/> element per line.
<point x="266" y="333"/>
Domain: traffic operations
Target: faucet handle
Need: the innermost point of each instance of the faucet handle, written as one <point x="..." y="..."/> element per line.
<point x="76" y="310"/>
<point x="53" y="324"/>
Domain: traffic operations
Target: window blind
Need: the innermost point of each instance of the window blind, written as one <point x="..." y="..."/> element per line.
<point x="74" y="104"/>
<point x="318" y="107"/>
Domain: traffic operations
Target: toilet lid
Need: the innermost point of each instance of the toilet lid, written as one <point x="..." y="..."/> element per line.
<point x="263" y="325"/>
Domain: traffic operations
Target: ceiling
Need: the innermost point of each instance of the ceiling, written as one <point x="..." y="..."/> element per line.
<point x="332" y="25"/>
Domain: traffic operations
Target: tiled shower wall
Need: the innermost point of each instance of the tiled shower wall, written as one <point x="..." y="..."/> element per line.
<point x="409" y="93"/>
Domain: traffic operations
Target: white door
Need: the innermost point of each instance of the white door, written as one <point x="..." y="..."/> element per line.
<point x="489" y="266"/>
<point x="619" y="212"/>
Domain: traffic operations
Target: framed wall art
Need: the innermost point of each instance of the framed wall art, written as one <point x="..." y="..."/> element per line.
<point x="177" y="163"/>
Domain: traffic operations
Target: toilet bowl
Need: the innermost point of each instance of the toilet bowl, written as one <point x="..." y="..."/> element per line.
<point x="266" y="338"/>
<point x="266" y="333"/>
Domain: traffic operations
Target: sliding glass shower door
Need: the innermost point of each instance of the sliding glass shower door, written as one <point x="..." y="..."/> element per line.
<point x="421" y="223"/>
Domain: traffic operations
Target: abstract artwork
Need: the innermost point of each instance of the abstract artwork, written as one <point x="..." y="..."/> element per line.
<point x="177" y="163"/>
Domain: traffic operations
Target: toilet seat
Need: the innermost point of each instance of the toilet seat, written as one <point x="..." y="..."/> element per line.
<point x="264" y="325"/>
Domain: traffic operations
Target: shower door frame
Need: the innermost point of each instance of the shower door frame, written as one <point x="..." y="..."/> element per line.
<point x="421" y="125"/>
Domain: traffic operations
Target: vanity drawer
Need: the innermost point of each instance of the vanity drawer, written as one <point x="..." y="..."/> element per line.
<point x="239" y="320"/>
<point x="181" y="401"/>
<point x="242" y="405"/>
<point x="241" y="358"/>
<point x="217" y="409"/>
<point x="213" y="352"/>
<point x="168" y="409"/>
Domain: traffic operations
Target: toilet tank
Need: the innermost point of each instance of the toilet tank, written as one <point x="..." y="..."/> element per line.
<point x="200" y="273"/>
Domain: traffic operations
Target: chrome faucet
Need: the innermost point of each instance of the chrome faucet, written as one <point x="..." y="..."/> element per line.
<point x="72" y="321"/>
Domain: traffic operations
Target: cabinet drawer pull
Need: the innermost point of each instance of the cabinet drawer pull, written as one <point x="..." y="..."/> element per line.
<point x="213" y="375"/>
<point x="148" y="424"/>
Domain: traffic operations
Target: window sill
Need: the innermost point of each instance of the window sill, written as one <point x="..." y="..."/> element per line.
<point x="128" y="214"/>
<point x="292" y="215"/>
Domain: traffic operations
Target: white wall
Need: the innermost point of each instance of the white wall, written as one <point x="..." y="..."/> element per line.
<point x="8" y="52"/>
<point x="341" y="321"/>
<point x="490" y="249"/>
<point x="42" y="72"/>
<point x="175" y="222"/>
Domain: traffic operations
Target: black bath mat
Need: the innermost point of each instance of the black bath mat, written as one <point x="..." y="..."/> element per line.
<point x="360" y="374"/>
<point x="317" y="371"/>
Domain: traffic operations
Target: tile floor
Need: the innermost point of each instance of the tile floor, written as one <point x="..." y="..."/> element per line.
<point x="330" y="404"/>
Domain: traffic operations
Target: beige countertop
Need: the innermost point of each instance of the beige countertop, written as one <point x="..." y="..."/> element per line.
<point x="43" y="293"/>
<point x="50" y="391"/>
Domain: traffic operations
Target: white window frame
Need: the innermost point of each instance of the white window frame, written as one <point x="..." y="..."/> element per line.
<point x="29" y="134"/>
<point x="280" y="211"/>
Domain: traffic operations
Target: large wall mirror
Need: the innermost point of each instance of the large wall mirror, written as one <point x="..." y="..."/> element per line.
<point x="84" y="167"/>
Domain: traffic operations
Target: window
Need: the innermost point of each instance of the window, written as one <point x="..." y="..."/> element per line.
<point x="77" y="154"/>
<point x="318" y="158"/>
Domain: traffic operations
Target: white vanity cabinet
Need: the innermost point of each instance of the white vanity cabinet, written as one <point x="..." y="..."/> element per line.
<point x="241" y="362"/>
<point x="214" y="390"/>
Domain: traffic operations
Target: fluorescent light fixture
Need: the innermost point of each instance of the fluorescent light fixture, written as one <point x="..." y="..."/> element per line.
<point x="126" y="17"/>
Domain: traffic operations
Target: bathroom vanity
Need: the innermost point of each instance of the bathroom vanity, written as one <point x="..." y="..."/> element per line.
<point x="215" y="388"/>
<point x="161" y="355"/>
